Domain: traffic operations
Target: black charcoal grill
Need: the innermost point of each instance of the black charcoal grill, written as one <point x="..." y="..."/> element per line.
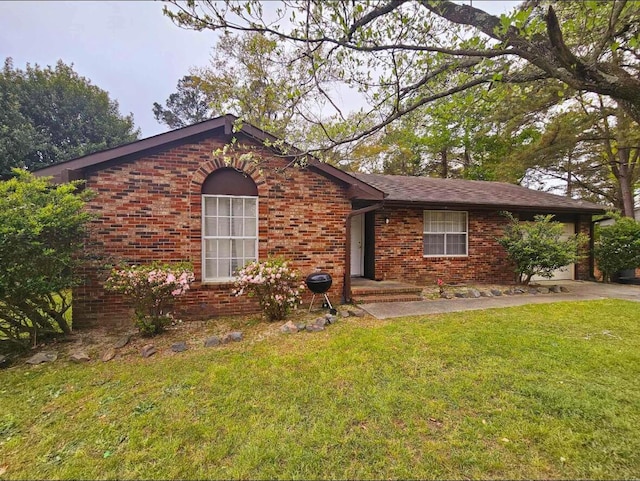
<point x="319" y="283"/>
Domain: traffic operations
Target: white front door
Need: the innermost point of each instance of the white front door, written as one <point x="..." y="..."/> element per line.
<point x="357" y="245"/>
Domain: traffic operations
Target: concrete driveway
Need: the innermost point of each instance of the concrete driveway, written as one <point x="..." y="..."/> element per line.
<point x="578" y="291"/>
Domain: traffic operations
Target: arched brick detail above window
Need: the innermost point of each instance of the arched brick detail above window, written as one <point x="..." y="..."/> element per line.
<point x="213" y="165"/>
<point x="228" y="181"/>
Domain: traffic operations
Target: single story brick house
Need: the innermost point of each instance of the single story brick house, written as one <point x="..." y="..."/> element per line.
<point x="176" y="197"/>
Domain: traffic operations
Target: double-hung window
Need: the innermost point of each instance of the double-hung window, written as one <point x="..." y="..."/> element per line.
<point x="229" y="235"/>
<point x="445" y="233"/>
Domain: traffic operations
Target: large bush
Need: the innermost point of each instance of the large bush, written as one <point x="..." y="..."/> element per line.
<point x="617" y="247"/>
<point x="42" y="230"/>
<point x="536" y="248"/>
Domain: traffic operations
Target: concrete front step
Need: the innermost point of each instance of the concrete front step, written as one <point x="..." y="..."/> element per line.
<point x="366" y="291"/>
<point x="386" y="299"/>
<point x="363" y="292"/>
<point x="396" y="297"/>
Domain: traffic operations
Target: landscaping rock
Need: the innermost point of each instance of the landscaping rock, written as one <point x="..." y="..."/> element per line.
<point x="123" y="341"/>
<point x="331" y="318"/>
<point x="564" y="289"/>
<point x="461" y="295"/>
<point x="555" y="289"/>
<point x="179" y="346"/>
<point x="289" y="328"/>
<point x="509" y="292"/>
<point x="543" y="290"/>
<point x="474" y="293"/>
<point x="301" y="326"/>
<point x="533" y="290"/>
<point x="484" y="293"/>
<point x="320" y="321"/>
<point x="80" y="356"/>
<point x="109" y="354"/>
<point x="212" y="341"/>
<point x="4" y="361"/>
<point x="42" y="357"/>
<point x="357" y="313"/>
<point x="314" y="327"/>
<point x="235" y="336"/>
<point x="447" y="295"/>
<point x="496" y="292"/>
<point x="518" y="290"/>
<point x="148" y="350"/>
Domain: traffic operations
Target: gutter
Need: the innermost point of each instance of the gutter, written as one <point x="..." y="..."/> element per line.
<point x="346" y="286"/>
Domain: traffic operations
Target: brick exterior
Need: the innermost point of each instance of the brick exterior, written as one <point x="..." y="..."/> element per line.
<point x="583" y="268"/>
<point x="150" y="209"/>
<point x="399" y="250"/>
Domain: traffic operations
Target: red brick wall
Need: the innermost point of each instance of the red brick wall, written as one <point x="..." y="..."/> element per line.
<point x="583" y="269"/>
<point x="150" y="210"/>
<point x="399" y="250"/>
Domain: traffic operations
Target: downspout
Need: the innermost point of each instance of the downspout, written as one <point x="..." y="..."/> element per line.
<point x="346" y="286"/>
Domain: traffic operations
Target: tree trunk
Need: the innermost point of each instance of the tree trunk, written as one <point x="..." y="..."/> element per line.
<point x="625" y="184"/>
<point x="444" y="164"/>
<point x="467" y="160"/>
<point x="569" y="177"/>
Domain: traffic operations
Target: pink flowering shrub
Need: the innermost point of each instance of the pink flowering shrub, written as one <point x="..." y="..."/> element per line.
<point x="152" y="288"/>
<point x="275" y="285"/>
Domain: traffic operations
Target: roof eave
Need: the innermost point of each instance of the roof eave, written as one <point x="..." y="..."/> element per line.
<point x="138" y="147"/>
<point x="506" y="207"/>
<point x="76" y="168"/>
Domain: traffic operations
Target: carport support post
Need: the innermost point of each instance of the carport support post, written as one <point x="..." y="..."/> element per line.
<point x="346" y="285"/>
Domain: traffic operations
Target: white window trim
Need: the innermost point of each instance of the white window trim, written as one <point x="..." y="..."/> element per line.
<point x="223" y="280"/>
<point x="466" y="219"/>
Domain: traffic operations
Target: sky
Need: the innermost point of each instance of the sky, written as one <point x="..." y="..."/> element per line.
<point x="128" y="48"/>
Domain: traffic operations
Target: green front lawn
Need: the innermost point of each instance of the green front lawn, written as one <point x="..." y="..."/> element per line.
<point x="539" y="391"/>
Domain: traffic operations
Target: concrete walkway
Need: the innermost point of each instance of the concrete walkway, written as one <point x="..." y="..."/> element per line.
<point x="578" y="291"/>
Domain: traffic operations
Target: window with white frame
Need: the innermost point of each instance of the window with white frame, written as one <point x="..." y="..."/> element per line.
<point x="445" y="233"/>
<point x="229" y="235"/>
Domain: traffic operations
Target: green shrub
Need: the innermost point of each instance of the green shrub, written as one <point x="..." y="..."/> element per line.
<point x="617" y="247"/>
<point x="42" y="230"/>
<point x="535" y="248"/>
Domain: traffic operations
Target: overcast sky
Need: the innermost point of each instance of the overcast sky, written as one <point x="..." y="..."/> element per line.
<point x="128" y="48"/>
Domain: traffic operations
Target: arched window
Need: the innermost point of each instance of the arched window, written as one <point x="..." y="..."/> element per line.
<point x="229" y="224"/>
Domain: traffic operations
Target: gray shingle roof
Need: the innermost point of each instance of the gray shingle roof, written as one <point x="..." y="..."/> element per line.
<point x="427" y="190"/>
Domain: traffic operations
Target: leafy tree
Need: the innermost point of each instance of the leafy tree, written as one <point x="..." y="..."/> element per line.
<point x="594" y="148"/>
<point x="42" y="231"/>
<point x="459" y="136"/>
<point x="617" y="247"/>
<point x="188" y="105"/>
<point x="252" y="76"/>
<point x="406" y="54"/>
<point x="53" y="114"/>
<point x="535" y="248"/>
<point x="17" y="135"/>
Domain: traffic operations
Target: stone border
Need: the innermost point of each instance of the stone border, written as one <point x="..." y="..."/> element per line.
<point x="474" y="293"/>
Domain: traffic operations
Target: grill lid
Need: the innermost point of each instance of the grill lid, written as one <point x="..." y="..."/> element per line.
<point x="319" y="282"/>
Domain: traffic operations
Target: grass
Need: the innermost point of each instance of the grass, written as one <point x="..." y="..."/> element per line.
<point x="544" y="391"/>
